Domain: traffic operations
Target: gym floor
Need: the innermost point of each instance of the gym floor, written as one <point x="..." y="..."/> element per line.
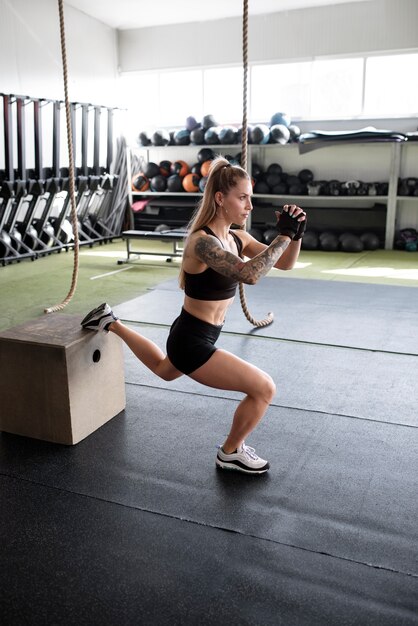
<point x="134" y="525"/>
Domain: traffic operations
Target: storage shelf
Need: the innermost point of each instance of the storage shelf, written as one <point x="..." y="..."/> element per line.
<point x="387" y="167"/>
<point x="270" y="196"/>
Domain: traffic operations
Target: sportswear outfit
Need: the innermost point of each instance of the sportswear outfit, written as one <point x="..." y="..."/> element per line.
<point x="191" y="341"/>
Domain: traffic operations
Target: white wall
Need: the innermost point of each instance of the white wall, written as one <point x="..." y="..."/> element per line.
<point x="30" y="53"/>
<point x="377" y="25"/>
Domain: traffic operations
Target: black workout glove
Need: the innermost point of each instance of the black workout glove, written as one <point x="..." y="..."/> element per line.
<point x="287" y="224"/>
<point x="301" y="229"/>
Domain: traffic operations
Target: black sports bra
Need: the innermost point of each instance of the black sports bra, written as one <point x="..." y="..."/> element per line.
<point x="209" y="284"/>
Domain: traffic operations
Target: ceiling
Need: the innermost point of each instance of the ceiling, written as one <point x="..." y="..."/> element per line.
<point x="125" y="14"/>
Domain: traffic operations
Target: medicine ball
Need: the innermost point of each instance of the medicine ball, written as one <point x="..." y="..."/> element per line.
<point x="228" y="135"/>
<point x="310" y="240"/>
<point x="174" y="183"/>
<point x="260" y="134"/>
<point x="306" y="176"/>
<point x="370" y="241"/>
<point x="143" y="139"/>
<point x="269" y="235"/>
<point x="197" y="136"/>
<point x="261" y="187"/>
<point x="202" y="183"/>
<point x="256" y="170"/>
<point x="297" y="189"/>
<point x="191" y="123"/>
<point x="208" y="121"/>
<point x="151" y="169"/>
<point x="274" y="168"/>
<point x="182" y="137"/>
<point x="212" y="136"/>
<point x="160" y="138"/>
<point x="191" y="183"/>
<point x="205" y="154"/>
<point x="280" y="118"/>
<point x="351" y="243"/>
<point x="140" y="183"/>
<point x="279" y="133"/>
<point x="204" y="169"/>
<point x="280" y="190"/>
<point x="328" y="241"/>
<point x="273" y="179"/>
<point x="180" y="167"/>
<point x="158" y="183"/>
<point x="294" y="132"/>
<point x="195" y="169"/>
<point x="165" y="168"/>
<point x="256" y="233"/>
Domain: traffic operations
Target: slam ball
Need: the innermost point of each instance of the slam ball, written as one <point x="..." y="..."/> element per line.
<point x="310" y="240"/>
<point x="370" y="241"/>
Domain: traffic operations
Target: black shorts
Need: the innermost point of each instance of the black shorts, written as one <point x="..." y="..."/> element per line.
<point x="191" y="342"/>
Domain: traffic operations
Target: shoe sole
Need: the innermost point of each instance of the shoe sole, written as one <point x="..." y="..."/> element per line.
<point x="235" y="468"/>
<point x="89" y="316"/>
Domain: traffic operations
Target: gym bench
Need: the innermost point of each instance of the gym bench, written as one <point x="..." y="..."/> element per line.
<point x="169" y="236"/>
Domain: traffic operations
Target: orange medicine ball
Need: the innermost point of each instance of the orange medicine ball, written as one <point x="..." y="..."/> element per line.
<point x="191" y="182"/>
<point x="181" y="168"/>
<point x="140" y="182"/>
<point x="204" y="170"/>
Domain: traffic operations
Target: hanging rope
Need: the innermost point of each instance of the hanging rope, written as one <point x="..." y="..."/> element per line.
<point x="59" y="307"/>
<point x="244" y="159"/>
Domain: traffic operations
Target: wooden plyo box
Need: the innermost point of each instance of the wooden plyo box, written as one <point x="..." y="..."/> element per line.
<point x="59" y="382"/>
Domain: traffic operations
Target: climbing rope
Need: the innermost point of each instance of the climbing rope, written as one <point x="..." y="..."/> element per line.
<point x="59" y="307"/>
<point x="244" y="159"/>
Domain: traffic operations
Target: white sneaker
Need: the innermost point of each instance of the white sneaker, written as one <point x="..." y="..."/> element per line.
<point x="244" y="459"/>
<point x="99" y="318"/>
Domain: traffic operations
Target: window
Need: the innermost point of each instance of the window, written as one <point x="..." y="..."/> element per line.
<point x="391" y="87"/>
<point x="338" y="88"/>
<point x="223" y="94"/>
<point x="280" y="87"/>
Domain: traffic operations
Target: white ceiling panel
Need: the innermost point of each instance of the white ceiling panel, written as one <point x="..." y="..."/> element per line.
<point x="125" y="14"/>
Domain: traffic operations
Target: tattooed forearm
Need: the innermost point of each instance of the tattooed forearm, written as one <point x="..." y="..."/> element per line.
<point x="209" y="250"/>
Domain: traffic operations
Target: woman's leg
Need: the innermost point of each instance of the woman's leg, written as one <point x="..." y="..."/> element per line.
<point x="227" y="371"/>
<point x="146" y="351"/>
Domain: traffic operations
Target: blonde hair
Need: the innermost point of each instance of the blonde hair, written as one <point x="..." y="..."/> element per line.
<point x="222" y="176"/>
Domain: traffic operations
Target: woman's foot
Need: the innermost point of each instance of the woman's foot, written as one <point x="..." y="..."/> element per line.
<point x="244" y="459"/>
<point x="99" y="318"/>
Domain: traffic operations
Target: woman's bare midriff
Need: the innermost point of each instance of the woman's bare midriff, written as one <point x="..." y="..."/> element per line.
<point x="211" y="311"/>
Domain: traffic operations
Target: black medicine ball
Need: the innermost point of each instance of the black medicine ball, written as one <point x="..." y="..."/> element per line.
<point x="158" y="183"/>
<point x="279" y="134"/>
<point x="151" y="169"/>
<point x="205" y="154"/>
<point x="174" y="183"/>
<point x="310" y="240"/>
<point x="260" y="134"/>
<point x="160" y="138"/>
<point x="228" y="135"/>
<point x="197" y="136"/>
<point x="182" y="137"/>
<point x="212" y="136"/>
<point x="208" y="121"/>
<point x="370" y="241"/>
<point x="143" y="139"/>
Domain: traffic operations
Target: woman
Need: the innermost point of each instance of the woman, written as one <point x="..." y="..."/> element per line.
<point x="210" y="271"/>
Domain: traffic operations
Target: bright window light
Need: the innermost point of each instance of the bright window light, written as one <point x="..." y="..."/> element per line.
<point x="282" y="87"/>
<point x="223" y="94"/>
<point x="336" y="88"/>
<point x="391" y="87"/>
<point x="181" y="95"/>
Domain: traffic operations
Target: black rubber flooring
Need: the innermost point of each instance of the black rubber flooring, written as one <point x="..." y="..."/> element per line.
<point x="134" y="525"/>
